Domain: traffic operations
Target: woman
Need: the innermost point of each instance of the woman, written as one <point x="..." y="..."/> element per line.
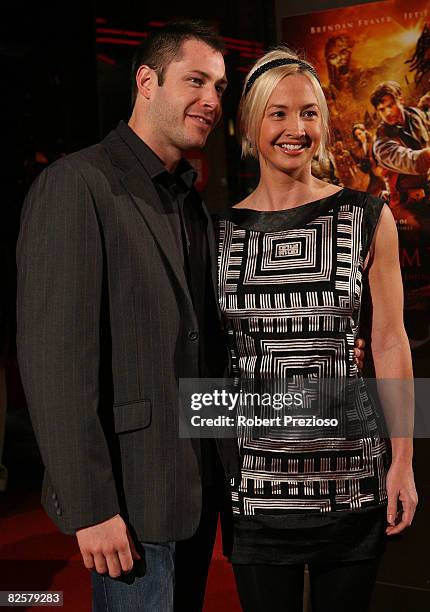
<point x="291" y="259"/>
<point x="363" y="156"/>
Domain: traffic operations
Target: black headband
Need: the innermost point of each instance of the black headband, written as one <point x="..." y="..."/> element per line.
<point x="284" y="61"/>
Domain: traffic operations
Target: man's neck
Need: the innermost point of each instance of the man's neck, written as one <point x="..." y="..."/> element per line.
<point x="402" y="122"/>
<point x="168" y="155"/>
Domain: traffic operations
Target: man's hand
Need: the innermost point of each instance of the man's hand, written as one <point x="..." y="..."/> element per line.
<point x="400" y="488"/>
<point x="107" y="547"/>
<point x="359" y="353"/>
<point x="424" y="102"/>
<point x="423" y="160"/>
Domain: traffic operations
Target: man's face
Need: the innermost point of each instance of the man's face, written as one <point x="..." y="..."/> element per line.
<point x="390" y="110"/>
<point x="339" y="57"/>
<point x="187" y="106"/>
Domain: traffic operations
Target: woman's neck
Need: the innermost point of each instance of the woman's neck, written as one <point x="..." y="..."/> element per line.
<point x="283" y="191"/>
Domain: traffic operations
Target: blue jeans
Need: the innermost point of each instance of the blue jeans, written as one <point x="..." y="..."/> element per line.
<point x="150" y="590"/>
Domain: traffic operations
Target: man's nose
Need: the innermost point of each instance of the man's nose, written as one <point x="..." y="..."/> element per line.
<point x="211" y="98"/>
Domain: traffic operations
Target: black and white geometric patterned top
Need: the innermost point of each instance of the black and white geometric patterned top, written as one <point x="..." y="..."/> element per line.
<point x="290" y="289"/>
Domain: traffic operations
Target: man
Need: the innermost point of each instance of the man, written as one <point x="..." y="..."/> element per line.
<point x="116" y="303"/>
<point x="346" y="88"/>
<point x="401" y="144"/>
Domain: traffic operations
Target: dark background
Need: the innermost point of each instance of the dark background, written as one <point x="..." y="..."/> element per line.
<point x="63" y="89"/>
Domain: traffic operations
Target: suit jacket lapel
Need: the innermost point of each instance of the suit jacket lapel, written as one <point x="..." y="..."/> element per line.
<point x="139" y="185"/>
<point x="141" y="188"/>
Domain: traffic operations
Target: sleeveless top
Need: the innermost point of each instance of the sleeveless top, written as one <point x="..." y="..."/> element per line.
<point x="290" y="287"/>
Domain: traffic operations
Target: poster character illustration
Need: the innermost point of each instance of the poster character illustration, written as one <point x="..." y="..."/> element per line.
<point x="374" y="64"/>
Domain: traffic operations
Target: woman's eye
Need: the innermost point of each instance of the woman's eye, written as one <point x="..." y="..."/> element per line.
<point x="310" y="113"/>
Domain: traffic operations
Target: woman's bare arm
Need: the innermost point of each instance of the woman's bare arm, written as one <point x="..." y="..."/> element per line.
<point x="393" y="368"/>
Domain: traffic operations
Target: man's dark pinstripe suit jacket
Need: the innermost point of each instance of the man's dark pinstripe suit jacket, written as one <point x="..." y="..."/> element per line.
<point x="105" y="330"/>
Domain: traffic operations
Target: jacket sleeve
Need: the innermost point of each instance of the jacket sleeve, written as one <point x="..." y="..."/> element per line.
<point x="396" y="157"/>
<point x="60" y="268"/>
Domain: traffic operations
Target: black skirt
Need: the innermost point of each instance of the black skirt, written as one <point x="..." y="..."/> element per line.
<point x="309" y="538"/>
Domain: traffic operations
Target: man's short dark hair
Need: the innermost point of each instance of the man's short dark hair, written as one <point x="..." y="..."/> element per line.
<point x="163" y="45"/>
<point x="387" y="88"/>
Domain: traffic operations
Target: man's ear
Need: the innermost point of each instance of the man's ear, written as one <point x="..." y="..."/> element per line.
<point x="146" y="81"/>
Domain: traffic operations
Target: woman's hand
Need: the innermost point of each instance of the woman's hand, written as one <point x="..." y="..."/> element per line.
<point x="359" y="353"/>
<point x="400" y="487"/>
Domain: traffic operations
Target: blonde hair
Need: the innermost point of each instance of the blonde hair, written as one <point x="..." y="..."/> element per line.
<point x="253" y="103"/>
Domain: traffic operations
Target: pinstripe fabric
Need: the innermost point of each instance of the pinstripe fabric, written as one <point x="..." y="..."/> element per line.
<point x="104" y="315"/>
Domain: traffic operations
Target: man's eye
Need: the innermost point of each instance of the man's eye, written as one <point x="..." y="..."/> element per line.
<point x="220" y="90"/>
<point x="196" y="81"/>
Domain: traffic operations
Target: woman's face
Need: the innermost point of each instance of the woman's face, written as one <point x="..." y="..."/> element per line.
<point x="360" y="135"/>
<point x="290" y="132"/>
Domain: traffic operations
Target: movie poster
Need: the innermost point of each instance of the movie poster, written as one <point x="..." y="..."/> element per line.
<point x="380" y="134"/>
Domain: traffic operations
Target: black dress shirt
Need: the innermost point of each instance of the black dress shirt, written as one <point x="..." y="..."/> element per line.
<point x="188" y="224"/>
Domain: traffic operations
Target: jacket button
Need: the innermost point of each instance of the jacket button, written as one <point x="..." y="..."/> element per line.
<point x="193" y="334"/>
<point x="56" y="503"/>
<point x="54" y="496"/>
<point x="58" y="511"/>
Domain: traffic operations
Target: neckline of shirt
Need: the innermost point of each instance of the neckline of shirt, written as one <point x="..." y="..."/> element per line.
<point x="336" y="194"/>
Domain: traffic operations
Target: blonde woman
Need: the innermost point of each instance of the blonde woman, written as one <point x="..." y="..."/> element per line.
<point x="291" y="260"/>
